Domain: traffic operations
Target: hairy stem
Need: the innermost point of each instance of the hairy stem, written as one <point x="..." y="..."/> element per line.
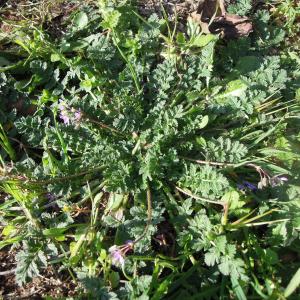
<point x="105" y="126"/>
<point x="149" y="218"/>
<point x="188" y="193"/>
<point x="56" y="179"/>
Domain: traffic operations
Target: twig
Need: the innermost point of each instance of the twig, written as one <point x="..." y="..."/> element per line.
<point x="264" y="223"/>
<point x="222" y="7"/>
<point x="8" y="272"/>
<point x="225" y="164"/>
<point x="188" y="193"/>
<point x="210" y="163"/>
<point x="27" y="180"/>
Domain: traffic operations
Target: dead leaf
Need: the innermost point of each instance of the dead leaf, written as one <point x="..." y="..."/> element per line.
<point x="204" y="26"/>
<point x="232" y="26"/>
<point x="210" y="8"/>
<point x="212" y="17"/>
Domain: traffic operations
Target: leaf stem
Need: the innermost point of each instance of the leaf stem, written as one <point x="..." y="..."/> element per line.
<point x="132" y="71"/>
<point x="57" y="179"/>
<point x="210" y="163"/>
<point x="188" y="193"/>
<point x="149" y="218"/>
<point x="105" y="126"/>
<point x="264" y="223"/>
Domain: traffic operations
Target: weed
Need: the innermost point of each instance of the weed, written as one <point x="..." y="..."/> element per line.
<point x="155" y="163"/>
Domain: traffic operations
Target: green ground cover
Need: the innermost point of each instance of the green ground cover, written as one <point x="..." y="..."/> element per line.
<point x="143" y="157"/>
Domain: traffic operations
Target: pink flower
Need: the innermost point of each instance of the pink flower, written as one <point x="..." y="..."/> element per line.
<point x="77" y="115"/>
<point x="64" y="115"/>
<point x="278" y="180"/>
<point x="116" y="256"/>
<point x="69" y="115"/>
<point x="117" y="253"/>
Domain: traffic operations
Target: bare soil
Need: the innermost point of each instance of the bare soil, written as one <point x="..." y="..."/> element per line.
<point x="45" y="284"/>
<point x="173" y="8"/>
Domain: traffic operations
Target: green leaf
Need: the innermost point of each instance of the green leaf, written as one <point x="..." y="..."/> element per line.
<point x="111" y="20"/>
<point x="11" y="241"/>
<point x="234" y="88"/>
<point x="203" y="40"/>
<point x="81" y="20"/>
<point x="180" y="38"/>
<point x="297" y="94"/>
<point x="55" y="57"/>
<point x="293" y="284"/>
<point x="162" y="289"/>
<point x="232" y="198"/>
<point x="115" y="201"/>
<point x="224" y="266"/>
<point x="225" y="150"/>
<point x="22" y="84"/>
<point x="53" y="232"/>
<point x="205" y="180"/>
<point x="247" y="64"/>
<point x="210" y="258"/>
<point x="114" y="279"/>
<point x="29" y="264"/>
<point x="8" y="230"/>
<point x="4" y="61"/>
<point x="237" y="289"/>
<point x="204" y="122"/>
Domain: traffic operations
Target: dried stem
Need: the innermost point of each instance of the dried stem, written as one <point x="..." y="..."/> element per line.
<point x="210" y="163"/>
<point x="56" y="179"/>
<point x="188" y="193"/>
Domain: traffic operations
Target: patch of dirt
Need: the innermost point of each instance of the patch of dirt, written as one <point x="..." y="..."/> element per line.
<point x="210" y="14"/>
<point x="173" y="8"/>
<point x="50" y="14"/>
<point x="47" y="284"/>
<point x="7" y="266"/>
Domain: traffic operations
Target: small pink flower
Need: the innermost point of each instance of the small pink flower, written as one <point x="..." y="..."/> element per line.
<point x="118" y="253"/>
<point x="77" y="115"/>
<point x="116" y="256"/>
<point x="69" y="115"/>
<point x="278" y="180"/>
<point x="64" y="115"/>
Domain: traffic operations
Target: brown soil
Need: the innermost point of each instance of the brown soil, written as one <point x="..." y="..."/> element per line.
<point x="51" y="14"/>
<point x="47" y="284"/>
<point x="179" y="8"/>
<point x="7" y="282"/>
<point x="210" y="14"/>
